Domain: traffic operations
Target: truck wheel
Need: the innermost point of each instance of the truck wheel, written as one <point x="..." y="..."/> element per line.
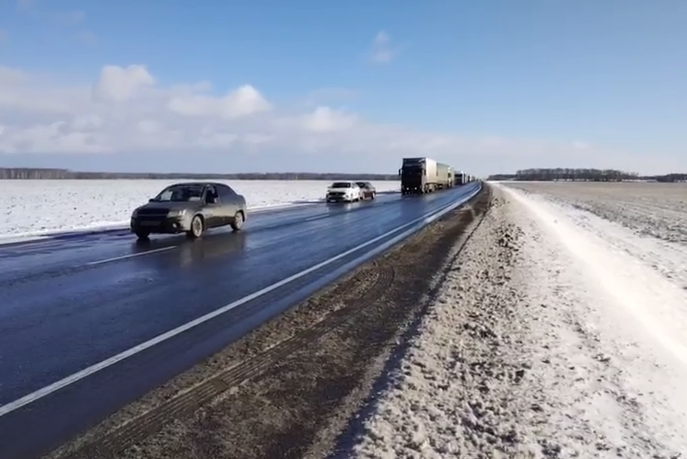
<point x="237" y="224"/>
<point x="197" y="227"/>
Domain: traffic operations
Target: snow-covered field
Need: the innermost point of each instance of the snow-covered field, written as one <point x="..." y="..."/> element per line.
<point x="35" y="207"/>
<point x="558" y="334"/>
<point x="656" y="209"/>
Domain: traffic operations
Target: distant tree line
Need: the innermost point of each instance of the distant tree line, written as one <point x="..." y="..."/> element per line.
<point x="66" y="174"/>
<point x="584" y="175"/>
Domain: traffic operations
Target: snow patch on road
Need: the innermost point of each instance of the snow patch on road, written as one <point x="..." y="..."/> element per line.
<point x="551" y="339"/>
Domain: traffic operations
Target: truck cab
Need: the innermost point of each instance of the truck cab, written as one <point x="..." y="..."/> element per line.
<point x="413" y="175"/>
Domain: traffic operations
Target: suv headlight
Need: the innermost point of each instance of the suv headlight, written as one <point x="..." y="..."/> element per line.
<point x="176" y="213"/>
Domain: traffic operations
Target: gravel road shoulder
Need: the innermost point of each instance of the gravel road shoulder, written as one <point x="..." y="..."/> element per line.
<point x="290" y="404"/>
<point x="512" y="361"/>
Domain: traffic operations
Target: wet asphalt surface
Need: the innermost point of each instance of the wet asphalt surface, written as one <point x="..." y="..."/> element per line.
<point x="68" y="304"/>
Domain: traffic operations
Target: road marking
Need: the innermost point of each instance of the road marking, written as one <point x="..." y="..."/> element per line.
<point x="54" y="387"/>
<point x="131" y="255"/>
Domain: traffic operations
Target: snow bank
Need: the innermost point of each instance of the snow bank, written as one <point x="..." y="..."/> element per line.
<point x="552" y="338"/>
<point x="40" y="207"/>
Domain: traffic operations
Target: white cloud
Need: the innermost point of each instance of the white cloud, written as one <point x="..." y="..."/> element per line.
<point x="243" y="101"/>
<point x="118" y="84"/>
<point x="324" y="119"/>
<point x="126" y="110"/>
<point x="149" y="127"/>
<point x="383" y="51"/>
<point x="36" y="96"/>
<point x="54" y="137"/>
<point x="85" y="123"/>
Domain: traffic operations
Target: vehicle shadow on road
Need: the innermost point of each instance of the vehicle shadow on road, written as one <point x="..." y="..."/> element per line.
<point x="190" y="251"/>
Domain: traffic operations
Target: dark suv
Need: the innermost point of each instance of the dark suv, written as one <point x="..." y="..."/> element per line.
<point x="190" y="208"/>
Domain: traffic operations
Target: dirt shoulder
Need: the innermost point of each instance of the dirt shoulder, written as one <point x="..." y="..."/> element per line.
<point x="533" y="349"/>
<point x="288" y="389"/>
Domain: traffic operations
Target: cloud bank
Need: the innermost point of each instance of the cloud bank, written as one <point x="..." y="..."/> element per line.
<point x="126" y="110"/>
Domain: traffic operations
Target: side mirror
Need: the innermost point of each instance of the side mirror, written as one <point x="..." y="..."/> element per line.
<point x="151" y="200"/>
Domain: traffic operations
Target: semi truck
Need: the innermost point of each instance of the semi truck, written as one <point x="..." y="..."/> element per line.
<point x="461" y="178"/>
<point x="424" y="175"/>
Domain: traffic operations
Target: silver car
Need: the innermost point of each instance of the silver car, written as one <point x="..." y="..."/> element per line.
<point x="190" y="208"/>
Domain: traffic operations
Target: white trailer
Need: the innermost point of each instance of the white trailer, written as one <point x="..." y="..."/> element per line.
<point x="431" y="171"/>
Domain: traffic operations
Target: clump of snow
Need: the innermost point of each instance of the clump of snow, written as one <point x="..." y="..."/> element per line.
<point x="34" y="207"/>
<point x="552" y="338"/>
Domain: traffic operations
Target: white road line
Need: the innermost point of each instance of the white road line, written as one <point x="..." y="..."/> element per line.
<point x="54" y="387"/>
<point x="131" y="255"/>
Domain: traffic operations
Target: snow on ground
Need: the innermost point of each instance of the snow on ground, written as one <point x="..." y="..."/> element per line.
<point x="556" y="336"/>
<point x="655" y="209"/>
<point x="34" y="207"/>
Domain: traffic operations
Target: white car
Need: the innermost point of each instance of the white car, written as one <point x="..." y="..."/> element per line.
<point x="346" y="191"/>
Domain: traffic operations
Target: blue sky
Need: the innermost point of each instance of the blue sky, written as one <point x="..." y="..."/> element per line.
<point x="488" y="86"/>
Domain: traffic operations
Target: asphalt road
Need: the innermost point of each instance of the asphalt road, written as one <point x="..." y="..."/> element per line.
<point x="69" y="304"/>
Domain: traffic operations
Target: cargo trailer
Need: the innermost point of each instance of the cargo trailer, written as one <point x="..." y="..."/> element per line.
<point x="443" y="176"/>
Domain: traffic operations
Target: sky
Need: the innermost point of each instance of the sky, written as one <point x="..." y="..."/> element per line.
<point x="267" y="85"/>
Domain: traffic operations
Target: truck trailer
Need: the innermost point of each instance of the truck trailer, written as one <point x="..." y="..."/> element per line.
<point x="443" y="176"/>
<point x="423" y="175"/>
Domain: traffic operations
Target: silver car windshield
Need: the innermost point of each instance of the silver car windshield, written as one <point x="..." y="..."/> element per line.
<point x="180" y="193"/>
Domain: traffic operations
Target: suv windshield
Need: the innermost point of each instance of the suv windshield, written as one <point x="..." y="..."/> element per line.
<point x="180" y="193"/>
<point x="341" y="185"/>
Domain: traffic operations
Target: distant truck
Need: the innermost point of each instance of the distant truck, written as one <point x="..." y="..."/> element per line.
<point x="424" y="175"/>
<point x="462" y="178"/>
